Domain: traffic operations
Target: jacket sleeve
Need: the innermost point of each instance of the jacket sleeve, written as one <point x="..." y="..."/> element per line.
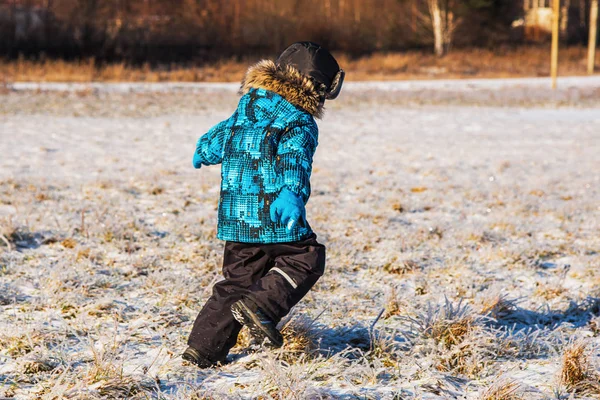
<point x="210" y="147"/>
<point x="294" y="158"/>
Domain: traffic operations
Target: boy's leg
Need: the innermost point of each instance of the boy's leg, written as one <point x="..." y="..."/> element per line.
<point x="215" y="330"/>
<point x="297" y="268"/>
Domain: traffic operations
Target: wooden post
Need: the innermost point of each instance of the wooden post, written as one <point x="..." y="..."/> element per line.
<point x="592" y="37"/>
<point x="554" y="55"/>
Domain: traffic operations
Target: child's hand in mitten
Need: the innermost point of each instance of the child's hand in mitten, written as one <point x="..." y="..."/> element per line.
<point x="288" y="209"/>
<point x="197" y="160"/>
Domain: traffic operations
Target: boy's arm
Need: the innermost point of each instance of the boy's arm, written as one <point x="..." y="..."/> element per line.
<point x="210" y="146"/>
<point x="294" y="158"/>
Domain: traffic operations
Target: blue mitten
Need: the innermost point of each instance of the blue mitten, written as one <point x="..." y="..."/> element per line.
<point x="197" y="160"/>
<point x="288" y="209"/>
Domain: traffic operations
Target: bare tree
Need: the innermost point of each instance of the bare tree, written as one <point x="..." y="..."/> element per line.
<point x="441" y="19"/>
<point x="203" y="29"/>
<point x="564" y="18"/>
<point x="436" y="23"/>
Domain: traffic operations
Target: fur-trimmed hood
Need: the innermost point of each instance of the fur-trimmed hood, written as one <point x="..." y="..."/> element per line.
<point x="287" y="82"/>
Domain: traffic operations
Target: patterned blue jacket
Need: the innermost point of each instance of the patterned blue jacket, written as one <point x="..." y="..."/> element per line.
<point x="266" y="145"/>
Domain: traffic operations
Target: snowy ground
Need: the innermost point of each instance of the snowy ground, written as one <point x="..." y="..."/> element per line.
<point x="469" y="214"/>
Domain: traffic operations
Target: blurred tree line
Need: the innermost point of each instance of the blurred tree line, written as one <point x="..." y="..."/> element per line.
<point x="199" y="30"/>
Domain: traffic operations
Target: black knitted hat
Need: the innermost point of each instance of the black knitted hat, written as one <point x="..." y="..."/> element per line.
<point x="312" y="60"/>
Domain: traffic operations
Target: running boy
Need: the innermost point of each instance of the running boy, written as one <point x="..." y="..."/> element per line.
<point x="265" y="149"/>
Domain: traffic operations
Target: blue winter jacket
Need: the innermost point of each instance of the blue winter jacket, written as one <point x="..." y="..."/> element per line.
<point x="266" y="145"/>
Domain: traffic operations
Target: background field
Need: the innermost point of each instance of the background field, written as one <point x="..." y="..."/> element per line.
<point x="465" y="215"/>
<point x="532" y="61"/>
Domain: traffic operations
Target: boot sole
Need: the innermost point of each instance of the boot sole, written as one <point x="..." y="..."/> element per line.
<point x="245" y="316"/>
<point x="192" y="356"/>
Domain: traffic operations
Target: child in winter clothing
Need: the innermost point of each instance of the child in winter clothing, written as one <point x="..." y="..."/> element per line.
<point x="265" y="149"/>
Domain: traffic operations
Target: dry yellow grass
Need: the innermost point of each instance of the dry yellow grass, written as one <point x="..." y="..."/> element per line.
<point x="456" y="335"/>
<point x="549" y="292"/>
<point x="472" y="63"/>
<point x="38" y="365"/>
<point x="451" y="333"/>
<point x="400" y="267"/>
<point x="503" y="389"/>
<point x="244" y="340"/>
<point x="497" y="306"/>
<point x="19" y="344"/>
<point x="121" y="387"/>
<point x="300" y="340"/>
<point x="392" y="305"/>
<point x="88" y="71"/>
<point x="577" y="373"/>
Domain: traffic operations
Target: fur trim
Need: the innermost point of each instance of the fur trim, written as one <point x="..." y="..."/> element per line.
<point x="287" y="82"/>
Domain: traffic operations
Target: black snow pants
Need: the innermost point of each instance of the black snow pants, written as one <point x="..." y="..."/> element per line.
<point x="273" y="277"/>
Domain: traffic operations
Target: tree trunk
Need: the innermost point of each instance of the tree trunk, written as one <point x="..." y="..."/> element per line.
<point x="328" y="9"/>
<point x="236" y="21"/>
<point x="436" y="23"/>
<point x="564" y="19"/>
<point x="413" y="16"/>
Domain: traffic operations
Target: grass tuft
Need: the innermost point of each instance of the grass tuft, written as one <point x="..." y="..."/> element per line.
<point x="21" y="344"/>
<point x="497" y="306"/>
<point x="39" y="365"/>
<point x="447" y="325"/>
<point x="392" y="305"/>
<point x="400" y="267"/>
<point x="123" y="387"/>
<point x="300" y="339"/>
<point x="577" y="373"/>
<point x="503" y="389"/>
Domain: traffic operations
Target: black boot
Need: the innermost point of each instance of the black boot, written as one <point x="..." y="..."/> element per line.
<point x="193" y="356"/>
<point x="260" y="326"/>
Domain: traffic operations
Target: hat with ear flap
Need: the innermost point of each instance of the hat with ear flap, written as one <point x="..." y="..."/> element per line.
<point x="314" y="61"/>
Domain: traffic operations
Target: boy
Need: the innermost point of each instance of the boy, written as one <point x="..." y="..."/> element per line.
<point x="271" y="257"/>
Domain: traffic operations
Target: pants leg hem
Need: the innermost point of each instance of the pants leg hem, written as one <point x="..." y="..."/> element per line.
<point x="266" y="310"/>
<point x="207" y="354"/>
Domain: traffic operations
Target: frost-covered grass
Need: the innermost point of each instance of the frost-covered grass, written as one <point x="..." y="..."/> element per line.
<point x="463" y="249"/>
